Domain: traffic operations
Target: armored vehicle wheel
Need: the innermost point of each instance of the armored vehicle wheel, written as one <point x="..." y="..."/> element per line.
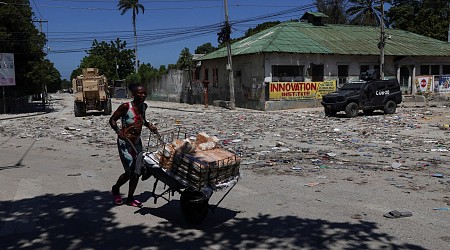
<point x="78" y="109"/>
<point x="368" y="111"/>
<point x="390" y="107"/>
<point x="330" y="112"/>
<point x="107" y="107"/>
<point x="193" y="206"/>
<point x="352" y="109"/>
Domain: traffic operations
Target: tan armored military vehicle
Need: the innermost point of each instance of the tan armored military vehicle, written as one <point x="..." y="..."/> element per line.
<point x="91" y="93"/>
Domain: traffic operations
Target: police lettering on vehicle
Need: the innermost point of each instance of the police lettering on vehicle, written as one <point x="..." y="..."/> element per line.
<point x="386" y="92"/>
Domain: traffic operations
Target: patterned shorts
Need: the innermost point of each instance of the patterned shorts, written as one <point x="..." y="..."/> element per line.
<point x="127" y="153"/>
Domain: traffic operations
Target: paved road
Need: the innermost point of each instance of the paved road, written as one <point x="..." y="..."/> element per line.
<point x="301" y="188"/>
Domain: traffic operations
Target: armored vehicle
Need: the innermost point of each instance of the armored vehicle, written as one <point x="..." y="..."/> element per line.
<point x="367" y="94"/>
<point x="91" y="93"/>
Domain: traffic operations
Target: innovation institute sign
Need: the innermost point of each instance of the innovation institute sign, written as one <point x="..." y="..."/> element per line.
<point x="300" y="90"/>
<point x="7" y="72"/>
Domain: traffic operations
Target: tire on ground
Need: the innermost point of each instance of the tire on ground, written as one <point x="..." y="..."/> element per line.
<point x="390" y="107"/>
<point x="352" y="109"/>
<point x="78" y="109"/>
<point x="193" y="206"/>
<point x="330" y="112"/>
<point x="107" y="110"/>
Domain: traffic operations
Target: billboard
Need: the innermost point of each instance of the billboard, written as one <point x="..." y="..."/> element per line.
<point x="444" y="84"/>
<point x="300" y="90"/>
<point x="7" y="72"/>
<point x="424" y="84"/>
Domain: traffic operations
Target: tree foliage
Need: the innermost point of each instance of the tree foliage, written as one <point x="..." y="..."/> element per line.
<point x="205" y="48"/>
<point x="425" y="17"/>
<point x="260" y="27"/>
<point x="19" y="36"/>
<point x="335" y="9"/>
<point x="184" y="60"/>
<point x="365" y="12"/>
<point x="112" y="59"/>
<point x="163" y="70"/>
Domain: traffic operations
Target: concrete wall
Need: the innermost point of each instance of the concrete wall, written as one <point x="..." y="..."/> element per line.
<point x="175" y="87"/>
<point x="169" y="87"/>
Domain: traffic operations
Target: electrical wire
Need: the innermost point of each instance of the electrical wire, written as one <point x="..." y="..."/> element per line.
<point x="156" y="36"/>
<point x="38" y="10"/>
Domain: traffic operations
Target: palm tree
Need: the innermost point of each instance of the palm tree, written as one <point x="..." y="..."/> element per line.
<point x="135" y="6"/>
<point x="365" y="12"/>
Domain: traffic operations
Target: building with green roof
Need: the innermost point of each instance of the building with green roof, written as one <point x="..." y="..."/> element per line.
<point x="310" y="51"/>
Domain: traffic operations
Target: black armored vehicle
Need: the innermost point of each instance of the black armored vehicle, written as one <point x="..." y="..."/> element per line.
<point x="367" y="94"/>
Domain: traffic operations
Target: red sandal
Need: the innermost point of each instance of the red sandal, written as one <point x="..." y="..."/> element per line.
<point x="117" y="199"/>
<point x="135" y="203"/>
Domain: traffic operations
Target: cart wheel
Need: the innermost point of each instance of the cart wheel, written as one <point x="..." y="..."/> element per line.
<point x="193" y="207"/>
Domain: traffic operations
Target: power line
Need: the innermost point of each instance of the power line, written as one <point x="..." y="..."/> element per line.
<point x="38" y="10"/>
<point x="157" y="36"/>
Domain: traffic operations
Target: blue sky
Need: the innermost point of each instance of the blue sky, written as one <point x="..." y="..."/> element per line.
<point x="164" y="29"/>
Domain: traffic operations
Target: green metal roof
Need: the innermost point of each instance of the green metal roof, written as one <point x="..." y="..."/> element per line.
<point x="305" y="38"/>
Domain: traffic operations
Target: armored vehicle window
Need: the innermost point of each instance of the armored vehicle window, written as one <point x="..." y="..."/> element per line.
<point x="353" y="86"/>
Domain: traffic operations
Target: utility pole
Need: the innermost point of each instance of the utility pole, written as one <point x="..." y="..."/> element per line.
<point x="230" y="64"/>
<point x="382" y="42"/>
<point x="40" y="21"/>
<point x="44" y="87"/>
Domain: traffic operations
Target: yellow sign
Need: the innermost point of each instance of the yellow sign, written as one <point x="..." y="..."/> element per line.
<point x="300" y="90"/>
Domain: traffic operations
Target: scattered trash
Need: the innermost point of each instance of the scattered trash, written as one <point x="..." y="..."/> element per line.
<point x="438" y="175"/>
<point x="396" y="165"/>
<point x="441" y="208"/>
<point x="77" y="174"/>
<point x="444" y="126"/>
<point x="394" y="214"/>
<point x="312" y="184"/>
<point x="438" y="150"/>
<point x="356" y="216"/>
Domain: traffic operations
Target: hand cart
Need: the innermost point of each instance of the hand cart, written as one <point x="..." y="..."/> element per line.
<point x="196" y="176"/>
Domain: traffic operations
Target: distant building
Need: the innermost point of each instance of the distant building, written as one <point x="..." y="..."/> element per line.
<point x="289" y="65"/>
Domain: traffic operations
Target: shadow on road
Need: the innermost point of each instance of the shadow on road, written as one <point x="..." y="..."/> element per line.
<point x="87" y="221"/>
<point x="19" y="164"/>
